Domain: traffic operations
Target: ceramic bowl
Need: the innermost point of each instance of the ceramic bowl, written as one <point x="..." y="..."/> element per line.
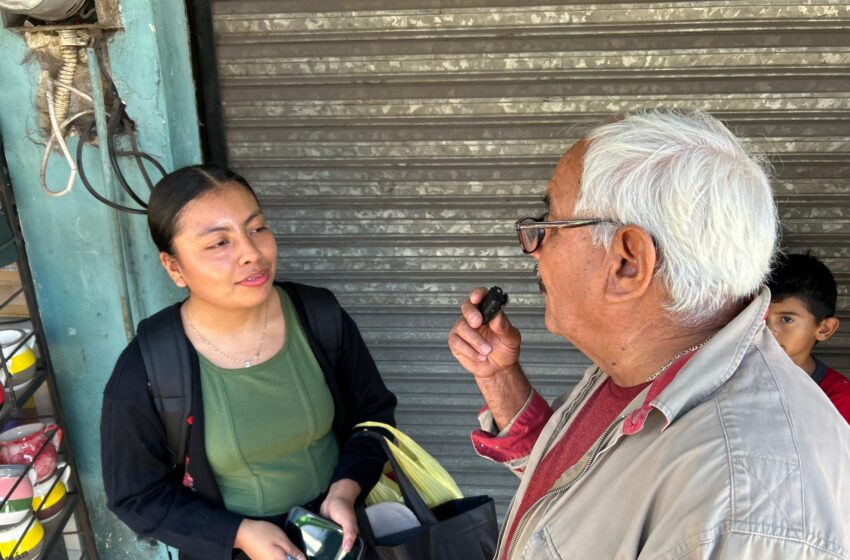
<point x="17" y="495"/>
<point x="28" y="442"/>
<point x="49" y="497"/>
<point x="20" y="358"/>
<point x="25" y="538"/>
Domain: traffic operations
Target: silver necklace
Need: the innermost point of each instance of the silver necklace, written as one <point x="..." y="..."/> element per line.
<point x="248" y="362"/>
<point x="660" y="370"/>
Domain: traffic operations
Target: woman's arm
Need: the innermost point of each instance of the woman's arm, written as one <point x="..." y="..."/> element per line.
<point x="142" y="486"/>
<point x="366" y="398"/>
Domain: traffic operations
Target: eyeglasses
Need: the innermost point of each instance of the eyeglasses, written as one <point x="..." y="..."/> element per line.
<point x="531" y="231"/>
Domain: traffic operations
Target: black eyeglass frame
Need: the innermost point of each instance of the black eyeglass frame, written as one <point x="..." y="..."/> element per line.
<point x="541" y="225"/>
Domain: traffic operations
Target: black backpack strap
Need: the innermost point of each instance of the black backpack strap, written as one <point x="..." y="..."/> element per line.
<point x="319" y="311"/>
<point x="165" y="351"/>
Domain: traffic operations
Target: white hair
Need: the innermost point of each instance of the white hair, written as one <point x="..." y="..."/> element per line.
<point x="690" y="183"/>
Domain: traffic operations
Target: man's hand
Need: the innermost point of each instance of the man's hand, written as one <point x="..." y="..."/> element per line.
<point x="261" y="540"/>
<point x="339" y="508"/>
<point x="484" y="350"/>
<point x="491" y="354"/>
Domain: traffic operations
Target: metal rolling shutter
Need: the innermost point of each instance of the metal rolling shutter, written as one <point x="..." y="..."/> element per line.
<point x="394" y="143"/>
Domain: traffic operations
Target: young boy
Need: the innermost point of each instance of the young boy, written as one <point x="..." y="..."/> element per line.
<point x="801" y="314"/>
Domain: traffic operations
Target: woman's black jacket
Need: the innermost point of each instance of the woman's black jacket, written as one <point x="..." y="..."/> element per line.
<point x="183" y="507"/>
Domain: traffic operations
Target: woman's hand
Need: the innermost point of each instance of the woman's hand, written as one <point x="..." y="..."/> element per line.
<point x="261" y="540"/>
<point x="339" y="508"/>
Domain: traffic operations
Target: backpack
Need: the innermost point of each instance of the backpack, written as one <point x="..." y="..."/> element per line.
<point x="166" y="353"/>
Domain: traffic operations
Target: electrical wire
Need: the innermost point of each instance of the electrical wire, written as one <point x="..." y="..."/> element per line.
<point x="143" y="155"/>
<point x="57" y="132"/>
<point x="118" y="116"/>
<point x="88" y="186"/>
<point x="86" y="14"/>
<point x="69" y="43"/>
<point x="117" y="122"/>
<point x="138" y="155"/>
<point x="79" y="93"/>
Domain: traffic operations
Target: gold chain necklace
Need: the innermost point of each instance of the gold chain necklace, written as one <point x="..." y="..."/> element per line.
<point x="246" y="362"/>
<point x="660" y="370"/>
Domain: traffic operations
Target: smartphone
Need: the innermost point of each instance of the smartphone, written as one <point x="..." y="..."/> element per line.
<point x="317" y="537"/>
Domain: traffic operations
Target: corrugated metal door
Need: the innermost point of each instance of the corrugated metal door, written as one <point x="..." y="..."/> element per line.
<point x="394" y="144"/>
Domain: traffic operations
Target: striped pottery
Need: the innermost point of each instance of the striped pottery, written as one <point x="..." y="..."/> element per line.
<point x="26" y="539"/>
<point x="19" y="358"/>
<point x="49" y="497"/>
<point x="16" y="497"/>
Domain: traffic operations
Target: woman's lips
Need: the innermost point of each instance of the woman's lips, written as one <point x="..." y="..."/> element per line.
<point x="255" y="279"/>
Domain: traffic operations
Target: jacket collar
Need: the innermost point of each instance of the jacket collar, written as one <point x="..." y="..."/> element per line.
<point x="705" y="371"/>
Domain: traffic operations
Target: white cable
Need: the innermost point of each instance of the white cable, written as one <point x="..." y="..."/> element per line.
<point x="79" y="93"/>
<point x="57" y="133"/>
<point x="87" y="13"/>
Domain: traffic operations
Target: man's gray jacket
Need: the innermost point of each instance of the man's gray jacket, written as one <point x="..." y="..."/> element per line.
<point x="740" y="456"/>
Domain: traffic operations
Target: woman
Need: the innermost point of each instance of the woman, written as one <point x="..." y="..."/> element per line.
<point x="272" y="422"/>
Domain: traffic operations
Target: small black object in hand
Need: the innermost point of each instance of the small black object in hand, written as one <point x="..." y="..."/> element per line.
<point x="492" y="303"/>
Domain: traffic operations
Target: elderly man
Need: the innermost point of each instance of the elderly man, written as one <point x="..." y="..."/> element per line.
<point x="692" y="435"/>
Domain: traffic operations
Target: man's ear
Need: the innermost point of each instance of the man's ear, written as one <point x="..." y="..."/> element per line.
<point x="827" y="328"/>
<point x="172" y="267"/>
<point x="630" y="263"/>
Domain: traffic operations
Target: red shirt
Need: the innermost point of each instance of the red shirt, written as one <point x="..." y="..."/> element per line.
<point x="600" y="410"/>
<point x="836" y="387"/>
<point x="597" y="414"/>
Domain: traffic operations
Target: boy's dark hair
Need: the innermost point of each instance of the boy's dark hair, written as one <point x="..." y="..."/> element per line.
<point x="805" y="277"/>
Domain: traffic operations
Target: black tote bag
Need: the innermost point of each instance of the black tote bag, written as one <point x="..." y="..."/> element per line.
<point x="461" y="529"/>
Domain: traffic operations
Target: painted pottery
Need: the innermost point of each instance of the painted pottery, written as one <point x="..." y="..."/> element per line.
<point x="49" y="497"/>
<point x="25" y="538"/>
<point x="19" y="358"/>
<point x="21" y="445"/>
<point x="15" y="497"/>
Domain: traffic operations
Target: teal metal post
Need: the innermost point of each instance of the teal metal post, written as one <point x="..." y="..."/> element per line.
<point x="96" y="273"/>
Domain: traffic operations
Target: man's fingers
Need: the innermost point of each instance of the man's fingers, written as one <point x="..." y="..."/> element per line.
<point x="469" y="312"/>
<point x="471" y="337"/>
<point x="476" y="295"/>
<point x="461" y="349"/>
<point x="500" y="324"/>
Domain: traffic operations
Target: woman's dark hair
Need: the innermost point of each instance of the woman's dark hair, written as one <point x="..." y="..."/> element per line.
<point x="177" y="189"/>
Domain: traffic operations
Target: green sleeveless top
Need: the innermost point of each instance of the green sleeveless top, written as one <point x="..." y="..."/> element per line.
<point x="268" y="427"/>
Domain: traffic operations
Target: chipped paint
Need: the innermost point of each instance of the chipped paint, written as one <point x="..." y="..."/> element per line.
<point x="88" y="320"/>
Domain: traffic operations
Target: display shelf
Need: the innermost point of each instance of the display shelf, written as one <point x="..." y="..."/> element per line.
<point x="52" y="541"/>
<point x="16" y="396"/>
<point x="53" y="528"/>
<point x="39" y="398"/>
<point x="12" y="298"/>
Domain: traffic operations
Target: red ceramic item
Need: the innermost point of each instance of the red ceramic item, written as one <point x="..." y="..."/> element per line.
<point x="20" y="446"/>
